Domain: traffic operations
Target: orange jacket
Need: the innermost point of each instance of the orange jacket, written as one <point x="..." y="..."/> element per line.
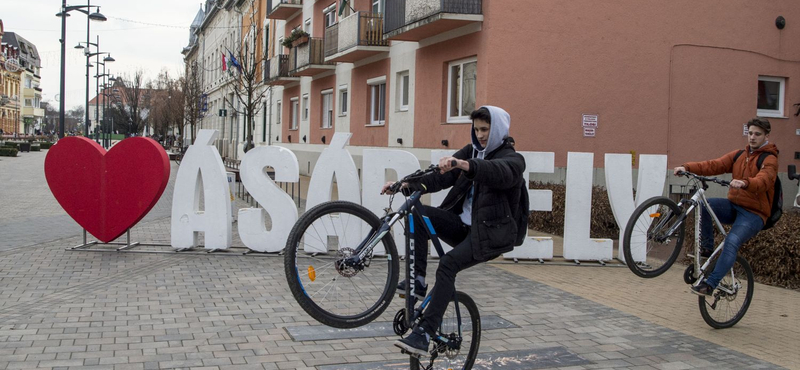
<point x="757" y="195"/>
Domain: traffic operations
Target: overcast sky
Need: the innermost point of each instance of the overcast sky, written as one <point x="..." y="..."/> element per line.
<point x="128" y="35"/>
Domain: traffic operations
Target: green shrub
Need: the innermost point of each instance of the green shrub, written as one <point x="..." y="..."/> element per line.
<point x="603" y="224"/>
<point x="11" y="144"/>
<point x="8" y="152"/>
<point x="36" y="148"/>
<point x="46" y="145"/>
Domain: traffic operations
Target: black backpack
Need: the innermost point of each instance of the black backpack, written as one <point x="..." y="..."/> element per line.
<point x="523" y="212"/>
<point x="777" y="195"/>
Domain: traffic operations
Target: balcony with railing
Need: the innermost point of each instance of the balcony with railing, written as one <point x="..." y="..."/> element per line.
<point x="356" y="37"/>
<point x="279" y="71"/>
<point x="414" y="20"/>
<point x="308" y="59"/>
<point x="284" y="9"/>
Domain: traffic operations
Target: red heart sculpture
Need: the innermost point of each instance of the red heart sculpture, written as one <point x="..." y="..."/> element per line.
<point x="107" y="192"/>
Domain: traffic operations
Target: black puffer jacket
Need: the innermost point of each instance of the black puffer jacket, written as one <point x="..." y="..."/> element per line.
<point x="497" y="180"/>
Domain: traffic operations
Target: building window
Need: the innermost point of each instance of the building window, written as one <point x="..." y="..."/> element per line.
<point x="280" y="113"/>
<point x="771" y="92"/>
<point x="294" y="114"/>
<point x="28" y="102"/>
<point x="461" y="79"/>
<point x="343" y="100"/>
<point x="327" y="109"/>
<point x="279" y="45"/>
<point x="378" y="6"/>
<point x="28" y="84"/>
<point x="305" y="107"/>
<point x="329" y="14"/>
<point x="402" y="90"/>
<point x="377" y="102"/>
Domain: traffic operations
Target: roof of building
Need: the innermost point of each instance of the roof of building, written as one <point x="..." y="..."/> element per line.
<point x="29" y="55"/>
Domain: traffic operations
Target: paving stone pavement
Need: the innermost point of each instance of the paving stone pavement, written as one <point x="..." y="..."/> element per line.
<point x="118" y="310"/>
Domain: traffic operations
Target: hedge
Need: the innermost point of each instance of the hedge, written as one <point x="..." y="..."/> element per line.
<point x="603" y="224"/>
<point x="8" y="152"/>
<point x="46" y="145"/>
<point x="36" y="148"/>
<point x="11" y="144"/>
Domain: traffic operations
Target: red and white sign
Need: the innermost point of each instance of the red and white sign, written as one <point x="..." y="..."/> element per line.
<point x="589" y="132"/>
<point x="590" y="120"/>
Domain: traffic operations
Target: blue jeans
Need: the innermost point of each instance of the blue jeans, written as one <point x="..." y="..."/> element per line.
<point x="745" y="225"/>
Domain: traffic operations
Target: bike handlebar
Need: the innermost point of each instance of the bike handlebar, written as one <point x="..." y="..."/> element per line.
<point x="416" y="175"/>
<point x="704" y="179"/>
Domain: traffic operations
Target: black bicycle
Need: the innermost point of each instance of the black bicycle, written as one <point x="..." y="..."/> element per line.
<point x="342" y="267"/>
<point x="179" y="155"/>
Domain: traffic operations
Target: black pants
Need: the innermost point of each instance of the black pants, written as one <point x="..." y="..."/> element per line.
<point x="450" y="229"/>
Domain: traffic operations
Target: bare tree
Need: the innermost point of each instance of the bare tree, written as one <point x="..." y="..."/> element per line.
<point x="131" y="104"/>
<point x="246" y="67"/>
<point x="192" y="94"/>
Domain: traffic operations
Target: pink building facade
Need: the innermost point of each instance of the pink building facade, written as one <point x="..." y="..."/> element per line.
<point x="678" y="78"/>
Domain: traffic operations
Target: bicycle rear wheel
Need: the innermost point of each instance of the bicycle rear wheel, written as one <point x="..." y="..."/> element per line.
<point x="648" y="250"/>
<point x="723" y="310"/>
<point x="341" y="297"/>
<point x="469" y="330"/>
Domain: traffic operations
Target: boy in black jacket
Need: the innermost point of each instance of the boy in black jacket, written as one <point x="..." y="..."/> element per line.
<point x="477" y="216"/>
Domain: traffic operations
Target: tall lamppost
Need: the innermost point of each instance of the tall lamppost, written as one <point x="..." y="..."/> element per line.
<point x="88" y="55"/>
<point x="96" y="16"/>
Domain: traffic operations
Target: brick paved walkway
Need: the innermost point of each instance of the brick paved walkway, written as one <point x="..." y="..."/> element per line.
<point x="110" y="310"/>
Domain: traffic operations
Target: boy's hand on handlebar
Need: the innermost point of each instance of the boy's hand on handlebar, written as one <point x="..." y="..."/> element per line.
<point x="738" y="184"/>
<point x="448" y="164"/>
<point x="679" y="171"/>
<point x="387" y="188"/>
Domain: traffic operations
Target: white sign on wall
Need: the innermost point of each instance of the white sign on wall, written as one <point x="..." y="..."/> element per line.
<point x="590" y="120"/>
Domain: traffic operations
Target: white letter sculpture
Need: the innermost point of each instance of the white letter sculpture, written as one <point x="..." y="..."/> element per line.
<point x="619" y="182"/>
<point x="577" y="219"/>
<point x="536" y="247"/>
<point x="376" y="162"/>
<point x="201" y="166"/>
<point x="334" y="160"/>
<point x="275" y="202"/>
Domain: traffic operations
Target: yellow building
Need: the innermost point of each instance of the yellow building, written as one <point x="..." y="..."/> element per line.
<point x="30" y="94"/>
<point x="9" y="87"/>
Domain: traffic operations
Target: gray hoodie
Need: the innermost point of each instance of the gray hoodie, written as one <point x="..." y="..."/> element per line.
<point x="501" y="121"/>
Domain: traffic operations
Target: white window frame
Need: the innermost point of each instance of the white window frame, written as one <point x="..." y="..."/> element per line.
<point x="329" y="15"/>
<point x="374" y="85"/>
<point x="457" y="119"/>
<point x="343" y="94"/>
<point x="279" y="46"/>
<point x="294" y="113"/>
<point x="305" y="107"/>
<point x="280" y="112"/>
<point x="781" y="98"/>
<point x="403" y="88"/>
<point x="381" y="5"/>
<point x="327" y="108"/>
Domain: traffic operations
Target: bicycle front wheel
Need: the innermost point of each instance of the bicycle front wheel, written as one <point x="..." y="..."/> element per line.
<point x="731" y="299"/>
<point x="333" y="294"/>
<point x="648" y="247"/>
<point x="464" y="322"/>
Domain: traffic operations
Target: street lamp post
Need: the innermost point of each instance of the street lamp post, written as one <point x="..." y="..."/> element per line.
<point x="89" y="54"/>
<point x="96" y="16"/>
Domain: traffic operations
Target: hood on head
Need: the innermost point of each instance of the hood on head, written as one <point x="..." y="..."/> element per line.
<point x="501" y="121"/>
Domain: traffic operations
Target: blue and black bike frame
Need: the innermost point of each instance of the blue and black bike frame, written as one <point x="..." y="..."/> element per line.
<point x="411" y="206"/>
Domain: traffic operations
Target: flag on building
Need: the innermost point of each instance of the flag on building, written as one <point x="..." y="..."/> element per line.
<point x="224" y="64"/>
<point x="342" y="7"/>
<point x="234" y="62"/>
